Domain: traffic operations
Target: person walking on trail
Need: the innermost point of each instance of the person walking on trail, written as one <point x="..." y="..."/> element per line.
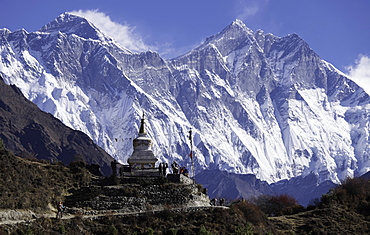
<point x="60" y="210"/>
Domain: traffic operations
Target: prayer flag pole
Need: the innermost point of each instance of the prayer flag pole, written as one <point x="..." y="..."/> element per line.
<point x="191" y="153"/>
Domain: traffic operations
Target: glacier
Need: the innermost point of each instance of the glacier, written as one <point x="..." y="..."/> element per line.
<point x="256" y="103"/>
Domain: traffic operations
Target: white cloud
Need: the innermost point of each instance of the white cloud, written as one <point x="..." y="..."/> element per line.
<point x="246" y="9"/>
<point x="123" y="34"/>
<point x="360" y="72"/>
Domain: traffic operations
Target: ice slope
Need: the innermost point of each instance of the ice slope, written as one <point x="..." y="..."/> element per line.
<point x="293" y="105"/>
<point x="256" y="103"/>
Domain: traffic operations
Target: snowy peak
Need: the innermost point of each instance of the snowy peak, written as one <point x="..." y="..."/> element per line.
<point x="72" y="24"/>
<point x="233" y="35"/>
<point x="237" y="27"/>
<point x="4" y="32"/>
<point x="238" y="23"/>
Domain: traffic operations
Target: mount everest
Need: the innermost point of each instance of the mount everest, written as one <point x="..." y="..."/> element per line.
<point x="256" y="103"/>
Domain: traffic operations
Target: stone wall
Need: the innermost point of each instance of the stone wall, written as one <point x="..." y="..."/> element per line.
<point x="137" y="195"/>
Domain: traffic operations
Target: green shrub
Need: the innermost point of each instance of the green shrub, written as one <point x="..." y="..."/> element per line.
<point x="356" y="188"/>
<point x="292" y="210"/>
<point x="113" y="230"/>
<point x="62" y="229"/>
<point x="275" y="205"/>
<point x="352" y="193"/>
<point x="251" y="213"/>
<point x="172" y="231"/>
<point x="203" y="231"/>
<point x="244" y="230"/>
<point x="150" y="231"/>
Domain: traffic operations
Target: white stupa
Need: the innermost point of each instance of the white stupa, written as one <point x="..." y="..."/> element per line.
<point x="142" y="160"/>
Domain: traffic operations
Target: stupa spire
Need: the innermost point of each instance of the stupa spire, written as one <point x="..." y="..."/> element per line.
<point x="142" y="126"/>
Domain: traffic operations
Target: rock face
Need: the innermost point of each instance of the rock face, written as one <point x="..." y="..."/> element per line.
<point x="17" y="215"/>
<point x="257" y="104"/>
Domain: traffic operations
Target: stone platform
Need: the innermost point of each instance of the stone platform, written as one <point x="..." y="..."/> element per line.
<point x="179" y="178"/>
<point x="138" y="194"/>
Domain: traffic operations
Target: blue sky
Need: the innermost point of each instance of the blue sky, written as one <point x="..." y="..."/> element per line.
<point x="337" y="30"/>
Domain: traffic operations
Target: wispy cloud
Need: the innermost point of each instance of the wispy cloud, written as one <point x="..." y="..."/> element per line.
<point x="124" y="34"/>
<point x="360" y="72"/>
<point x="246" y="9"/>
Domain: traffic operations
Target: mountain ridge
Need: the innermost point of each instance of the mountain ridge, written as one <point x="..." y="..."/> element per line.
<point x="257" y="103"/>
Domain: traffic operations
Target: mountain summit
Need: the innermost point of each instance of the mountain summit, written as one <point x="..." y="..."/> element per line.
<point x="257" y="103"/>
<point x="68" y="24"/>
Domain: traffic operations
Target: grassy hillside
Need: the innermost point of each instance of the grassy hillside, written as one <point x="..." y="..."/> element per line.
<point x="343" y="210"/>
<point x="35" y="184"/>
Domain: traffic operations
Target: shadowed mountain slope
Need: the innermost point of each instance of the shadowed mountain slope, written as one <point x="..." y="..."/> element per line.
<point x="29" y="132"/>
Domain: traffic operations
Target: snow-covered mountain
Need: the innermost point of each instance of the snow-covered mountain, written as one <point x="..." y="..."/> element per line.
<point x="256" y="103"/>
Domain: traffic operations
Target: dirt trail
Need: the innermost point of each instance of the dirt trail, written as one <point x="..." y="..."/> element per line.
<point x="29" y="216"/>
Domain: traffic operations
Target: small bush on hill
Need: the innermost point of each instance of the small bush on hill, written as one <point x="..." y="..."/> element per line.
<point x="251" y="213"/>
<point x="277" y="205"/>
<point x="80" y="173"/>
